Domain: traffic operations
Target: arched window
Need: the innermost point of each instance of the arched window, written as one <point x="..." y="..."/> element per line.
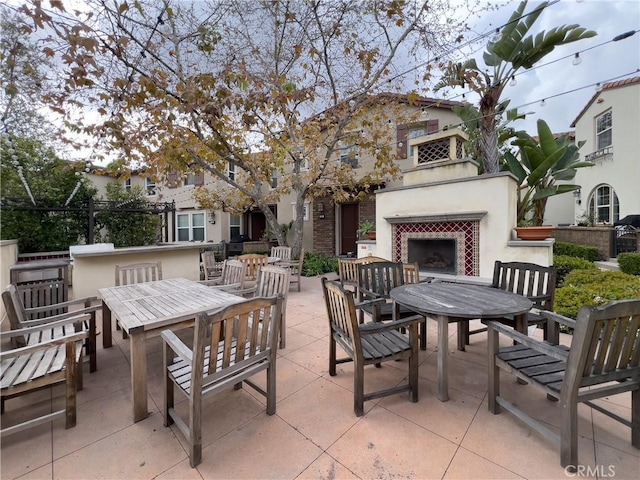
<point x="604" y="206"/>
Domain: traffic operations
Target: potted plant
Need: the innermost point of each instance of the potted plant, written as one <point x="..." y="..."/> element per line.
<point x="367" y="229"/>
<point x="543" y="161"/>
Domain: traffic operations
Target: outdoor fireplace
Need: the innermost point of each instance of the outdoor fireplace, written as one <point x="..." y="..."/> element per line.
<point x="433" y="255"/>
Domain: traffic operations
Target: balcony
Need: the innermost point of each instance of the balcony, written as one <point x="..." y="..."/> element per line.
<point x="600" y="156"/>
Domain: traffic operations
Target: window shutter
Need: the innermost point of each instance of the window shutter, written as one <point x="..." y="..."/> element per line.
<point x="402" y="133"/>
<point x="199" y="181"/>
<point x="432" y="126"/>
<point x="172" y="179"/>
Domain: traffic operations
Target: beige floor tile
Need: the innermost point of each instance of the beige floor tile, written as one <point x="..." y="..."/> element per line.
<point x="142" y="450"/>
<point x="327" y="467"/>
<point x="27" y="452"/>
<point x="314" y="357"/>
<point x="466" y="464"/>
<point x="181" y="471"/>
<point x="266" y="447"/>
<point x="384" y="445"/>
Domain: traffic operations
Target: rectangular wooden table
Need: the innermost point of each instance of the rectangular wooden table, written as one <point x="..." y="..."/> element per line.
<point x="450" y="302"/>
<point x="143" y="310"/>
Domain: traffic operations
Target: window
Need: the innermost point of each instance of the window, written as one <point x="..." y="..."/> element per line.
<point x="190" y="179"/>
<point x="274" y="179"/>
<point x="234" y="226"/>
<point x="150" y="185"/>
<point x="191" y="227"/>
<point x="305" y="214"/>
<point x="349" y="154"/>
<point x="231" y="171"/>
<point x="127" y="184"/>
<point x="415" y="132"/>
<point x="604" y="206"/>
<point x="603" y="131"/>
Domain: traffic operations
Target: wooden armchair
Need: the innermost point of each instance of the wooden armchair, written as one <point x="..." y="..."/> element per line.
<point x="603" y="360"/>
<point x="137" y="273"/>
<point x="211" y="267"/>
<point x="50" y="361"/>
<point x="283" y="253"/>
<point x="375" y="281"/>
<point x="369" y="343"/>
<point x="348" y="270"/>
<point x="232" y="279"/>
<point x="254" y="262"/>
<point x="535" y="282"/>
<point x="295" y="266"/>
<point x="229" y="347"/>
<point x="21" y="317"/>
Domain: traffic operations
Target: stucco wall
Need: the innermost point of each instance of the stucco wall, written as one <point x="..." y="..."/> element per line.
<point x="94" y="270"/>
<point x="8" y="258"/>
<point x="493" y="194"/>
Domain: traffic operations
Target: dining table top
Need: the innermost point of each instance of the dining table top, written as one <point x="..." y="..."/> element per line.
<point x="151" y="305"/>
<point x="460" y="300"/>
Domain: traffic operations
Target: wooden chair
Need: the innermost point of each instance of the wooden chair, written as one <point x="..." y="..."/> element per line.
<point x="138" y="273"/>
<point x="21" y="317"/>
<point x="283" y="253"/>
<point x="234" y="274"/>
<point x="535" y="282"/>
<point x="348" y="270"/>
<point x="229" y="347"/>
<point x="273" y="280"/>
<point x="375" y="281"/>
<point x="211" y="267"/>
<point x="369" y="343"/>
<point x="295" y="266"/>
<point x="39" y="365"/>
<point x="254" y="262"/>
<point x="603" y="360"/>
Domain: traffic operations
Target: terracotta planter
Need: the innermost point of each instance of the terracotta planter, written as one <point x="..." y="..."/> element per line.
<point x="541" y="232"/>
<point x="371" y="235"/>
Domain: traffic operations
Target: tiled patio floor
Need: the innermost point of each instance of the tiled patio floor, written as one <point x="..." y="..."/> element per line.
<point x="314" y="433"/>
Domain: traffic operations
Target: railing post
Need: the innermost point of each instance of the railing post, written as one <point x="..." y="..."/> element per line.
<point x="91" y="223"/>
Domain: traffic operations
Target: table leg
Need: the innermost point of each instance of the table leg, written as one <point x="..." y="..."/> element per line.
<point x="106" y="326"/>
<point x="443" y="354"/>
<point x="138" y="352"/>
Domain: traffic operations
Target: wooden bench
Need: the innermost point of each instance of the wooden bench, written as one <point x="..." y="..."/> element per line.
<point x="603" y="360"/>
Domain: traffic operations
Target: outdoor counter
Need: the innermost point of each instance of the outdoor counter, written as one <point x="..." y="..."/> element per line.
<point x="95" y="270"/>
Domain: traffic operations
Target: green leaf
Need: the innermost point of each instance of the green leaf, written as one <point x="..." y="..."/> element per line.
<point x="515" y="167"/>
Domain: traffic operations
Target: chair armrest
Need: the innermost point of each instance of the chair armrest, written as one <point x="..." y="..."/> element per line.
<point x="172" y="340"/>
<point x="69" y="320"/>
<point x="55" y="306"/>
<point x="569" y="322"/>
<point x="70" y="338"/>
<point x="86" y="312"/>
<point x="368" y="293"/>
<point x="377" y="327"/>
<point x="372" y="302"/>
<point x="542" y="347"/>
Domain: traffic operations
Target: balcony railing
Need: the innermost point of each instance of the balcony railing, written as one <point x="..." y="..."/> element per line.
<point x="599" y="155"/>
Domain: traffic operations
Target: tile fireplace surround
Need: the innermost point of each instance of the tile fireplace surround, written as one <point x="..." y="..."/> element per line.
<point x="464" y="230"/>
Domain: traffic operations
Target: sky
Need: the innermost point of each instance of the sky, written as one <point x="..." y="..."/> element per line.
<point x="554" y="82"/>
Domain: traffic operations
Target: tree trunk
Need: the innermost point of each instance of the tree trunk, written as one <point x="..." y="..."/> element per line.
<point x="489" y="136"/>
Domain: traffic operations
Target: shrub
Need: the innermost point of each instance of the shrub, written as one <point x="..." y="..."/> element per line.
<point x="317" y="264"/>
<point x="629" y="263"/>
<point x="565" y="264"/>
<point x="594" y="287"/>
<point x="573" y="250"/>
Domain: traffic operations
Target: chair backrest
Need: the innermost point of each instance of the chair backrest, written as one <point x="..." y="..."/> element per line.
<point x="235" y="339"/>
<point x="212" y="268"/>
<point x="14" y="307"/>
<point x="605" y="347"/>
<point x="273" y="280"/>
<point x="380" y="278"/>
<point x="283" y="253"/>
<point x="138" y="273"/>
<point x="233" y="271"/>
<point x="535" y="282"/>
<point x="348" y="268"/>
<point x="254" y="261"/>
<point x="411" y="272"/>
<point x="341" y="312"/>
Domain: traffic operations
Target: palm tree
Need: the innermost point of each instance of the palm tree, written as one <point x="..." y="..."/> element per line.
<point x="516" y="49"/>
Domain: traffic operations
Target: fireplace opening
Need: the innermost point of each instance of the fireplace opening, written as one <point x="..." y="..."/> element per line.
<point x="433" y="255"/>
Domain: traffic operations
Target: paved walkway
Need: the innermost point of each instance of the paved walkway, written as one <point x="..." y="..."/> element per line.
<point x="314" y="433"/>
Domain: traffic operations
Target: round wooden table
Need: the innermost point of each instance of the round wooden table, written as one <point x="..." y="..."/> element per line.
<point x="447" y="302"/>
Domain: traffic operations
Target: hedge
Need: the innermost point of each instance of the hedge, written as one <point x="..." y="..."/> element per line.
<point x="573" y="250"/>
<point x="565" y="264"/>
<point x="593" y="287"/>
<point x="629" y="263"/>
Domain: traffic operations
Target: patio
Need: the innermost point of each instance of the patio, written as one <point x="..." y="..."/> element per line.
<point x="314" y="433"/>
